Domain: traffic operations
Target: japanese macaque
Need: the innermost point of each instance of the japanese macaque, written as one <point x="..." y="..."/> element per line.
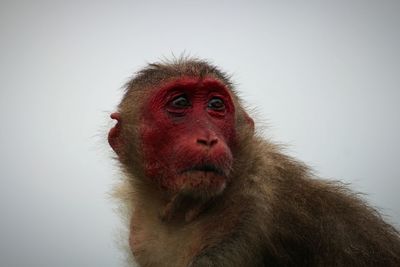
<point x="201" y="188"/>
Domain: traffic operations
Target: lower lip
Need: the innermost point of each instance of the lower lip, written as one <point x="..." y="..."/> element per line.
<point x="206" y="172"/>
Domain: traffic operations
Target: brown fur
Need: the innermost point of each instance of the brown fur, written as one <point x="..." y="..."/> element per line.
<point x="273" y="213"/>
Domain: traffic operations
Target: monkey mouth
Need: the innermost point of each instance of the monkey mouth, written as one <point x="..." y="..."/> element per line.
<point x="207" y="168"/>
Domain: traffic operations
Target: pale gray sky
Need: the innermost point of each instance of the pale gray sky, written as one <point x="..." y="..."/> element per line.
<point x="323" y="75"/>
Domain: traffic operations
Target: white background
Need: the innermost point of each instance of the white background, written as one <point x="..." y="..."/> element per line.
<point x="324" y="77"/>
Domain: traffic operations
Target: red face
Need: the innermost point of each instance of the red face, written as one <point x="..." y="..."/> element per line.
<point x="187" y="129"/>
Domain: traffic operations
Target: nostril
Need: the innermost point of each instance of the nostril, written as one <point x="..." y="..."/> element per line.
<point x="202" y="142"/>
<point x="213" y="141"/>
<point x="207" y="142"/>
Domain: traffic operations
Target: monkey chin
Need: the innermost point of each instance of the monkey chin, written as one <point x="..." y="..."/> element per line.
<point x="203" y="183"/>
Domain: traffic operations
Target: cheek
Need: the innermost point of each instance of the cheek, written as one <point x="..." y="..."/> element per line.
<point x="162" y="149"/>
<point x="227" y="131"/>
<point x="155" y="128"/>
<point x="154" y="148"/>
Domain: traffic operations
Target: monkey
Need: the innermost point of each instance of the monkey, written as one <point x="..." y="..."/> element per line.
<point x="202" y="187"/>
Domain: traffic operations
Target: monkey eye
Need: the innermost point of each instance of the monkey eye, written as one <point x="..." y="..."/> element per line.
<point x="216" y="103"/>
<point x="180" y="102"/>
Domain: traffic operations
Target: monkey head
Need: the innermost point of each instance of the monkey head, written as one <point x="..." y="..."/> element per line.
<point x="180" y="132"/>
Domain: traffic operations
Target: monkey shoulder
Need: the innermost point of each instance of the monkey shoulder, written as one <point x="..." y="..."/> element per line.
<point x="318" y="222"/>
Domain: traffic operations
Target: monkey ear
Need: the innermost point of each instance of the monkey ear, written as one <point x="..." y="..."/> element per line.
<point x="114" y="138"/>
<point x="249" y="121"/>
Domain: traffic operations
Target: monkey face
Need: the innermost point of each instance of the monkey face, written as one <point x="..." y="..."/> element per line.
<point x="187" y="130"/>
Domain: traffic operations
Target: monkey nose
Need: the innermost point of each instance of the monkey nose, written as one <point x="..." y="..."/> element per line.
<point x="208" y="142"/>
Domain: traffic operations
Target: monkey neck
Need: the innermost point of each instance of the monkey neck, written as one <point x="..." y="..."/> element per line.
<point x="183" y="208"/>
<point x="170" y="207"/>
